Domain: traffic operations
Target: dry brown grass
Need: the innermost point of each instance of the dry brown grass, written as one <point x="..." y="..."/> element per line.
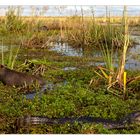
<point x="114" y="19"/>
<point x="56" y="22"/>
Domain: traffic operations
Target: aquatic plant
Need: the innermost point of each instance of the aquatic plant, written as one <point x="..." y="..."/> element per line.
<point x="11" y="59"/>
<point x="125" y="46"/>
<point x="88" y="32"/>
<point x="13" y="21"/>
<point x="116" y="77"/>
<point x="107" y="48"/>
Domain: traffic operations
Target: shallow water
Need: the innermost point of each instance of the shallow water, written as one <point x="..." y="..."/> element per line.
<point x="40" y="93"/>
<point x="69" y="68"/>
<point x="65" y="49"/>
<point x="6" y="48"/>
<point x="48" y="87"/>
<point x="135" y="38"/>
<point x="132" y="60"/>
<point x="133" y="57"/>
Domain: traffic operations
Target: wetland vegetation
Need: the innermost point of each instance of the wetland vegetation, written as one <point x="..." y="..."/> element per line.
<point x="91" y="66"/>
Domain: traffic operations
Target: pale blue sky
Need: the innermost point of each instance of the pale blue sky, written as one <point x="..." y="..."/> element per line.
<point x="71" y="10"/>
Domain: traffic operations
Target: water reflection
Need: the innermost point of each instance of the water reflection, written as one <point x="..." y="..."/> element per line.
<point x="65" y="49"/>
<point x="6" y="48"/>
<point x="33" y="94"/>
<point x="69" y="68"/>
<point x="135" y="38"/>
<point x="132" y="60"/>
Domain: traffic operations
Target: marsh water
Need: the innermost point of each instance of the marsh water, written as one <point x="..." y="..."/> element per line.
<point x="132" y="61"/>
<point x="6" y="48"/>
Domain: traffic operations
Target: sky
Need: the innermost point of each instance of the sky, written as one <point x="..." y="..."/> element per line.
<point x="73" y="10"/>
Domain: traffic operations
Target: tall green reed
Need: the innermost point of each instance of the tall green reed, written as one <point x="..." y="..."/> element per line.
<point x="12" y="55"/>
<point x="125" y="46"/>
<point x="89" y="32"/>
<point x="13" y="21"/>
<point x="115" y="77"/>
<point x="107" y="49"/>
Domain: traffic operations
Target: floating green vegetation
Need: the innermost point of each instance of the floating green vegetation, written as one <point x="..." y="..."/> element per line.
<point x="71" y="97"/>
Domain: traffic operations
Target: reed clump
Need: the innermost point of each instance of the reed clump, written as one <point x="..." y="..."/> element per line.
<point x="76" y="30"/>
<point x="29" y="32"/>
<point x="13" y="22"/>
<point x="92" y="33"/>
